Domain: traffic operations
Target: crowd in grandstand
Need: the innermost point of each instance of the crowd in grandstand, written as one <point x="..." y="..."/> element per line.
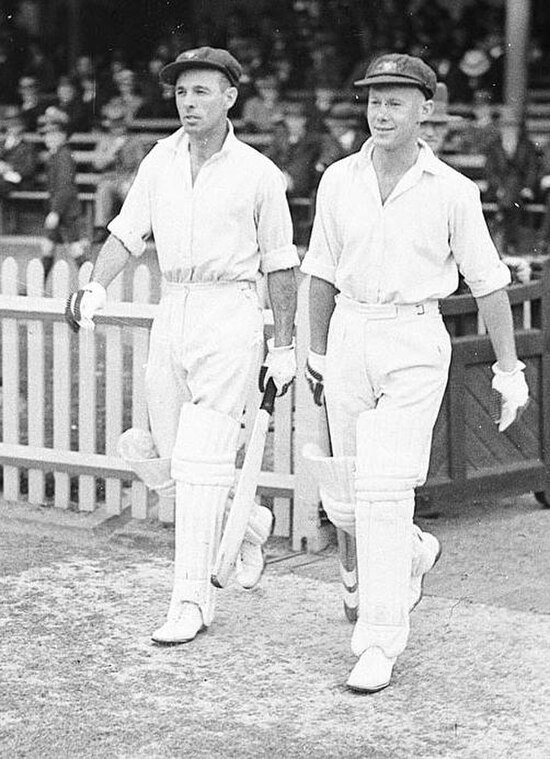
<point x="297" y="87"/>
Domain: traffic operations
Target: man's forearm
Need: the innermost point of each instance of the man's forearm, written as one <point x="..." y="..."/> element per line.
<point x="111" y="260"/>
<point x="321" y="306"/>
<point x="281" y="286"/>
<point x="497" y="315"/>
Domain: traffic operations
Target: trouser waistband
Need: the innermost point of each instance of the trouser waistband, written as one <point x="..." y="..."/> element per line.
<point x="176" y="287"/>
<point x="388" y="310"/>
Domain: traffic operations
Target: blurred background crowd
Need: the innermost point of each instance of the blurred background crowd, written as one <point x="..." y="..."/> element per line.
<point x="300" y="58"/>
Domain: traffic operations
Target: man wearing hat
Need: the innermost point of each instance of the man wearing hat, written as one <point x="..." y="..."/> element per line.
<point x="17" y="155"/>
<point x="345" y="134"/>
<point x="435" y="128"/>
<point x="116" y="158"/>
<point x="220" y="219"/>
<point x="393" y="226"/>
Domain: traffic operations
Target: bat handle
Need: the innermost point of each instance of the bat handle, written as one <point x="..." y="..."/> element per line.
<point x="268" y="401"/>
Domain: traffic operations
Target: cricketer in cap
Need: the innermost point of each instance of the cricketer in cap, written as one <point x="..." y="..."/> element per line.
<point x="393" y="228"/>
<point x="399" y="68"/>
<point x="218" y="212"/>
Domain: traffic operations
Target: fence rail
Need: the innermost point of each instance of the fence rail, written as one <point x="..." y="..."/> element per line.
<point x="67" y="398"/>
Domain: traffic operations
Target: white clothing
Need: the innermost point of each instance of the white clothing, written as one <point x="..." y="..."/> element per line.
<point x="232" y="223"/>
<point x="206" y="343"/>
<point x="400" y="361"/>
<point x="407" y="249"/>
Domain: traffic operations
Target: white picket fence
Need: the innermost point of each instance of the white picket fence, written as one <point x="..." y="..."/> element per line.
<point x="67" y="398"/>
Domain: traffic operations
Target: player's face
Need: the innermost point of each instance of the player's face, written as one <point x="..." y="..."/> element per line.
<point x="394" y="114"/>
<point x="203" y="98"/>
<point x="434" y="134"/>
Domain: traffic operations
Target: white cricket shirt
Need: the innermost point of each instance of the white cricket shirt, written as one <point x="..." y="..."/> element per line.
<point x="231" y="224"/>
<point x="407" y="250"/>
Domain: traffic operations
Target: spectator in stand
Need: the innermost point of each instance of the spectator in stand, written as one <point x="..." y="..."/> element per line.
<point x="17" y="155"/>
<point x="296" y="151"/>
<point x="153" y="91"/>
<point x="483" y="132"/>
<point x="84" y="77"/>
<point x="63" y="223"/>
<point x="470" y="75"/>
<point x="159" y="104"/>
<point x="493" y="45"/>
<point x="346" y="134"/>
<point x="318" y="109"/>
<point x="512" y="170"/>
<point x="69" y="101"/>
<point x="8" y="75"/>
<point x="33" y="103"/>
<point x="40" y="68"/>
<point x="117" y="157"/>
<point x="264" y="107"/>
<point x="435" y="128"/>
<point x="127" y="97"/>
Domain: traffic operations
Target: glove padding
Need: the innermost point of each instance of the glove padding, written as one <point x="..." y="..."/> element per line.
<point x="279" y="364"/>
<point x="83" y="305"/>
<point x="514" y="391"/>
<point x="314" y="372"/>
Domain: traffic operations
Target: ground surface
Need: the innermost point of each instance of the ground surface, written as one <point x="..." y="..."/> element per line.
<point x="80" y="678"/>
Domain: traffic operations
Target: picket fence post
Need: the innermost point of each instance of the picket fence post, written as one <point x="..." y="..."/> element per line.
<point x="10" y="379"/>
<point x="36" y="383"/>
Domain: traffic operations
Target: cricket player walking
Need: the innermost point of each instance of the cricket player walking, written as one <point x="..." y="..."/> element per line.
<point x="218" y="213"/>
<point x="393" y="225"/>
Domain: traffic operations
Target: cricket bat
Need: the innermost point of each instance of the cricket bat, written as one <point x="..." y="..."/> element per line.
<point x="243" y="500"/>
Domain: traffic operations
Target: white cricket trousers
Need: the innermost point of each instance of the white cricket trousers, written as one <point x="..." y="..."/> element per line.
<point x="386" y="372"/>
<point x="205" y="351"/>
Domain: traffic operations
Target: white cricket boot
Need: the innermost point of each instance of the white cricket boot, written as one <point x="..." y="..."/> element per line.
<point x="182" y="625"/>
<point x="251" y="563"/>
<point x="372" y="672"/>
<point x="426" y="553"/>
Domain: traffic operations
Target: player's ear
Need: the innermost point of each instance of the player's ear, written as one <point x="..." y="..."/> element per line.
<point x="426" y="110"/>
<point x="231" y="96"/>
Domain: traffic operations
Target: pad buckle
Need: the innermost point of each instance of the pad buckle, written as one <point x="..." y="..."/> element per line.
<point x="420" y="310"/>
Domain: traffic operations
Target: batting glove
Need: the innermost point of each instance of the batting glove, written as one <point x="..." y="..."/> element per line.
<point x="280" y="364"/>
<point x="83" y="305"/>
<point x="514" y="391"/>
<point x="315" y="370"/>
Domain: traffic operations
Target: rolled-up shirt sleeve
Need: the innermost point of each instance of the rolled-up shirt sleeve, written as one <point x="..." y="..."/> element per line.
<point x="472" y="246"/>
<point x="274" y="223"/>
<point x="133" y="225"/>
<point x="325" y="246"/>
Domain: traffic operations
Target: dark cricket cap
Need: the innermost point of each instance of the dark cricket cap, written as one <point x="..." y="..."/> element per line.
<point x="203" y="58"/>
<point x="399" y="68"/>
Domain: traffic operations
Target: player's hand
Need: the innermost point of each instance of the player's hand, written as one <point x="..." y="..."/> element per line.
<point x="315" y="370"/>
<point x="519" y="267"/>
<point x="52" y="220"/>
<point x="280" y="364"/>
<point x="514" y="391"/>
<point x="83" y="305"/>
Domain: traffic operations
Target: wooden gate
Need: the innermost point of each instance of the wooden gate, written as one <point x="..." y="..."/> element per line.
<point x="469" y="456"/>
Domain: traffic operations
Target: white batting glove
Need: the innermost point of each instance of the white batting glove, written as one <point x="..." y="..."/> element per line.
<point x="514" y="391"/>
<point x="315" y="372"/>
<point x="279" y="364"/>
<point x="83" y="305"/>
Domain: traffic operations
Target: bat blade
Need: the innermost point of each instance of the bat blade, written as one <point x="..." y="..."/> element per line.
<point x="243" y="500"/>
